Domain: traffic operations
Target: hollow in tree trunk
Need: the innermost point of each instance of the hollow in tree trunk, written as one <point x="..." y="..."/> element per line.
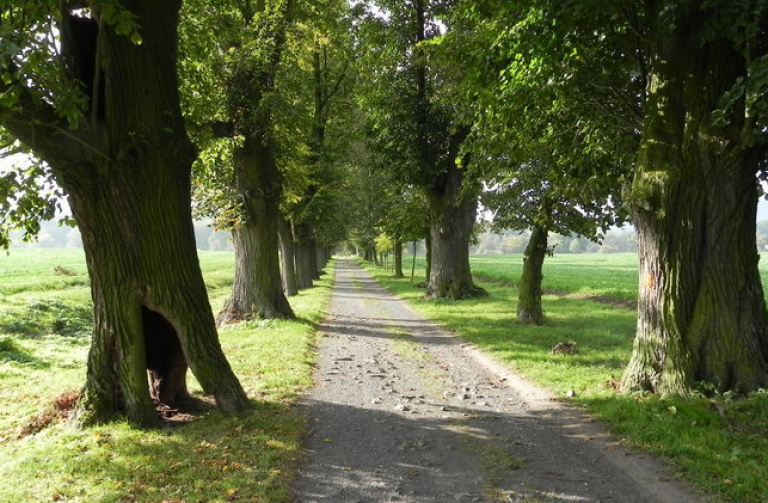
<point x="701" y="312"/>
<point x="127" y="173"/>
<point x="287" y="256"/>
<point x="529" y="310"/>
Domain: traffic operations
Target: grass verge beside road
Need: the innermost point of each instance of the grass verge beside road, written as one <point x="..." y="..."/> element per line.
<point x="242" y="457"/>
<point x="718" y="443"/>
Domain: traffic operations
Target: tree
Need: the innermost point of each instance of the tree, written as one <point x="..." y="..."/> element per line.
<point x="251" y="35"/>
<point x="694" y="73"/>
<point x="419" y="134"/>
<point x="702" y="314"/>
<point x="530" y="142"/>
<point x="103" y="112"/>
<point x="316" y="84"/>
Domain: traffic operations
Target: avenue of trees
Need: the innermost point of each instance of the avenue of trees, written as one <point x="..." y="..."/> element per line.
<point x="297" y="126"/>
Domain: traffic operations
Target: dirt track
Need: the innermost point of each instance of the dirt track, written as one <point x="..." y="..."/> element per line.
<point x="403" y="411"/>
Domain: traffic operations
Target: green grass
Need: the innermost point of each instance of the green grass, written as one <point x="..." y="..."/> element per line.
<point x="718" y="444"/>
<point x="611" y="275"/>
<point x="216" y="457"/>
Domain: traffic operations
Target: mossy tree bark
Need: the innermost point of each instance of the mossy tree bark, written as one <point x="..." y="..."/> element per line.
<point x="287" y="256"/>
<point x="701" y="314"/>
<point x="127" y="174"/>
<point x="257" y="291"/>
<point x="529" y="311"/>
<point x="452" y="217"/>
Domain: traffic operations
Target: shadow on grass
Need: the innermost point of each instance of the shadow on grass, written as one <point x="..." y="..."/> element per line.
<point x="216" y="457"/>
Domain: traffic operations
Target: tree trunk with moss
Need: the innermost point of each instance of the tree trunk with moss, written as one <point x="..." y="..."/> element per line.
<point x="287" y="256"/>
<point x="452" y="217"/>
<point x="127" y="173"/>
<point x="428" y="256"/>
<point x="529" y="310"/>
<point x="257" y="291"/>
<point x="701" y="312"/>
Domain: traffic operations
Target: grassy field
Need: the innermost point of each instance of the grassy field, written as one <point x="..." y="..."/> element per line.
<point x="612" y="275"/>
<point x="718" y="443"/>
<point x="44" y="337"/>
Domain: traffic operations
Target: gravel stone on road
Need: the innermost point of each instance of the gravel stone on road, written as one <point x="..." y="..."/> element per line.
<point x="403" y="411"/>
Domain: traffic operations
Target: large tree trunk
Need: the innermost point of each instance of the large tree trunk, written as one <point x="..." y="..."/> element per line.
<point x="304" y="253"/>
<point x="529" y="310"/>
<point x="701" y="314"/>
<point x="127" y="173"/>
<point x="257" y="291"/>
<point x="287" y="256"/>
<point x="320" y="258"/>
<point x="451" y="220"/>
<point x="398" y="251"/>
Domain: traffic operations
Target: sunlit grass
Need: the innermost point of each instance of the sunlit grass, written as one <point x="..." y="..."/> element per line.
<point x="718" y="444"/>
<point x="243" y="457"/>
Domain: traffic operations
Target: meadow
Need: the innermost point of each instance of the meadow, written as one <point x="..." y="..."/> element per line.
<point x="45" y="326"/>
<point x="719" y="443"/>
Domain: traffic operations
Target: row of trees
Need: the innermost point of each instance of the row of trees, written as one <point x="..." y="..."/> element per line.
<point x="614" y="241"/>
<point x="566" y="117"/>
<point x="570" y="117"/>
<point x="92" y="91"/>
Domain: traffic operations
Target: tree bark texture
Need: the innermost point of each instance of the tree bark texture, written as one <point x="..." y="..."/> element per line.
<point x="398" y="251"/>
<point x="127" y="173"/>
<point x="452" y="217"/>
<point x="529" y="310"/>
<point x="287" y="256"/>
<point x="701" y="313"/>
<point x="304" y="253"/>
<point x="257" y="291"/>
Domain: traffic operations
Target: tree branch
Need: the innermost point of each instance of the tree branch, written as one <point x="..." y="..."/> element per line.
<point x="37" y="125"/>
<point x="335" y="89"/>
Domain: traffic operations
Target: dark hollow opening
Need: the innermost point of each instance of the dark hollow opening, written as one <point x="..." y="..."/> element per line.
<point x="166" y="362"/>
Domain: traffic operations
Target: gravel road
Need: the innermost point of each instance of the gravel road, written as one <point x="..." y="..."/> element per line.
<point x="403" y="411"/>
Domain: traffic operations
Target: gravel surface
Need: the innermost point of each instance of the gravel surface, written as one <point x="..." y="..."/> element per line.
<point x="403" y="411"/>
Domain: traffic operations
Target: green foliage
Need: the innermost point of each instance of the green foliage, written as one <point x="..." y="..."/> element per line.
<point x="405" y="87"/>
<point x="28" y="195"/>
<point x="555" y="130"/>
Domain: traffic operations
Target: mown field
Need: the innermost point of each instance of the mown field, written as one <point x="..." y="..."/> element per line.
<point x="717" y="442"/>
<point x="44" y="335"/>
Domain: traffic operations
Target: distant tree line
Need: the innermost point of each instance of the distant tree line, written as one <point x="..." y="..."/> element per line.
<point x="511" y="241"/>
